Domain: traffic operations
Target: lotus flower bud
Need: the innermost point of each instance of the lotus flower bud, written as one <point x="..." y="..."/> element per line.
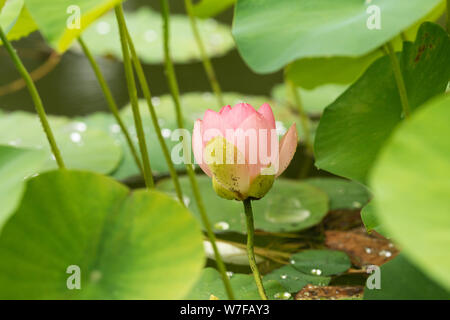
<point x="239" y="149"/>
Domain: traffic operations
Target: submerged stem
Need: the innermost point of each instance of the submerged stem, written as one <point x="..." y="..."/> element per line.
<point x="209" y="69"/>
<point x="148" y="97"/>
<point x="173" y="84"/>
<point x="35" y="97"/>
<point x="399" y="79"/>
<point x="250" y="250"/>
<point x="111" y="102"/>
<point x="131" y="83"/>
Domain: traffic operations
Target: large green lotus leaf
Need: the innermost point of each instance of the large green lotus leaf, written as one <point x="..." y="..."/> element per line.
<point x="211" y="8"/>
<point x="16" y="165"/>
<point x="81" y="147"/>
<point x="289" y="206"/>
<point x="15" y="20"/>
<point x="354" y="128"/>
<point x="294" y="281"/>
<point x="411" y="184"/>
<point x="312" y="72"/>
<point x="343" y="194"/>
<point x="2" y="3"/>
<point x="270" y="34"/>
<point x="321" y="262"/>
<point x="401" y="280"/>
<point x="210" y="285"/>
<point x="145" y="26"/>
<point x="194" y="106"/>
<point x="124" y="246"/>
<point x="313" y="101"/>
<point x="57" y="20"/>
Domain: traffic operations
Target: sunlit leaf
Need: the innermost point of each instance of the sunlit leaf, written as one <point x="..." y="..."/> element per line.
<point x="15" y="20"/>
<point x="62" y="21"/>
<point x="211" y="8"/>
<point x="318" y="28"/>
<point x="411" y="184"/>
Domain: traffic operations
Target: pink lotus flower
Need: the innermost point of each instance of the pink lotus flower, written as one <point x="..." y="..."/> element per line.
<point x="239" y="149"/>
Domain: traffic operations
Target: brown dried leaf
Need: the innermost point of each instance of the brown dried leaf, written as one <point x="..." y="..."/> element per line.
<point x="362" y="248"/>
<point x="311" y="292"/>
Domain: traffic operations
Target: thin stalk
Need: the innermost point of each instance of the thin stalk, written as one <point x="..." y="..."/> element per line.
<point x="306" y="125"/>
<point x="209" y="69"/>
<point x="111" y="102"/>
<point x="148" y="97"/>
<point x="35" y="97"/>
<point x="399" y="79"/>
<point x="131" y="83"/>
<point x="250" y="250"/>
<point x="173" y="84"/>
<point x="448" y="16"/>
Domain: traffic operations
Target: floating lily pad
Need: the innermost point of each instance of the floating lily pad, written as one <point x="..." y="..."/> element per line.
<point x="210" y="285"/>
<point x="81" y="147"/>
<point x="194" y="106"/>
<point x="317" y="28"/>
<point x="145" y="26"/>
<point x="343" y="194"/>
<point x="401" y="280"/>
<point x="121" y="244"/>
<point x="321" y="262"/>
<point x="289" y="206"/>
<point x="62" y="21"/>
<point x="314" y="101"/>
<point x="15" y="166"/>
<point x="411" y="185"/>
<point x="293" y="280"/>
<point x="354" y="128"/>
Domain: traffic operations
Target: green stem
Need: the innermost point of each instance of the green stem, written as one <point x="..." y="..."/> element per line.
<point x="35" y="97"/>
<point x="448" y="16"/>
<point x="250" y="251"/>
<point x="111" y="102"/>
<point x="205" y="59"/>
<point x="148" y="97"/>
<point x="399" y="79"/>
<point x="131" y="83"/>
<point x="173" y="84"/>
<point x="306" y="125"/>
